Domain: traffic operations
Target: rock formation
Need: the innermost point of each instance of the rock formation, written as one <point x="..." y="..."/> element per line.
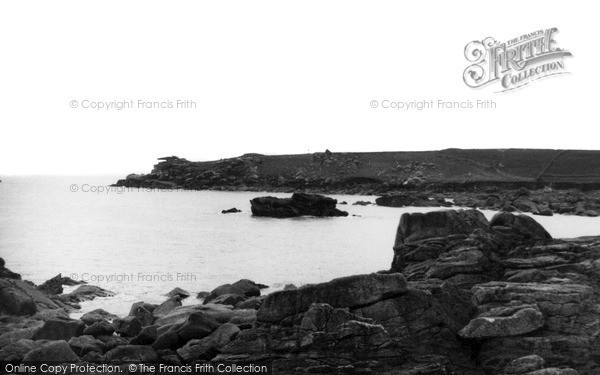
<point x="298" y="205"/>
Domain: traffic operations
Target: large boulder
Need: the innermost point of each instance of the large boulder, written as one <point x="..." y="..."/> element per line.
<point x="101" y="328"/>
<point x="522" y="225"/>
<point x="16" y="351"/>
<point x="85" y="344"/>
<point x="415" y="227"/>
<point x="351" y="291"/>
<point x="54" y="351"/>
<point x="60" y="329"/>
<point x="244" y="287"/>
<point x="299" y="204"/>
<point x="20" y="298"/>
<point x="97" y="315"/>
<point x="166" y="307"/>
<point x="197" y="325"/>
<point x="147" y="336"/>
<point x="129" y="326"/>
<point x="207" y="347"/>
<point x="144" y="315"/>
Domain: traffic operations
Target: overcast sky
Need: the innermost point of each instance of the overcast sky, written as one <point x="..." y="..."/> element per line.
<point x="274" y="77"/>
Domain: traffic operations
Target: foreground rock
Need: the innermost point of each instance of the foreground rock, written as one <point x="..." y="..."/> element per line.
<point x="298" y="205"/>
<point x="345" y="292"/>
<point x="529" y="294"/>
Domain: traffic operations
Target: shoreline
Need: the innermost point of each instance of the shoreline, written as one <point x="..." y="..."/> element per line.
<point x="476" y="288"/>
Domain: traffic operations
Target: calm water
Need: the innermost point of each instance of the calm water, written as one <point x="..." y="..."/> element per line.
<point x="141" y="244"/>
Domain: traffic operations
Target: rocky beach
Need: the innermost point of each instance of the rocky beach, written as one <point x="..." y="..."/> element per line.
<point x="463" y="295"/>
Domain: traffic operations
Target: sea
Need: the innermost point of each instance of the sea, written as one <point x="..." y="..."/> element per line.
<point x="141" y="243"/>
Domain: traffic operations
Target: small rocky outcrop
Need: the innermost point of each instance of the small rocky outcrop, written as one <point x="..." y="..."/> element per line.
<point x="60" y="329"/>
<point x="232" y="210"/>
<point x="243" y="288"/>
<point x="54" y="285"/>
<point x="6" y="273"/>
<point x="411" y="200"/>
<point x="298" y="205"/>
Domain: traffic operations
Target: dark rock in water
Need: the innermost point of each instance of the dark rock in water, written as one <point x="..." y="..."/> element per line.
<point x="20" y="298"/>
<point x="183" y="294"/>
<point x="60" y="329"/>
<point x="362" y="203"/>
<point x="6" y="273"/>
<point x="299" y="204"/>
<point x="129" y="326"/>
<point x="86" y="293"/>
<point x="132" y="354"/>
<point x="243" y="287"/>
<point x="231" y="211"/>
<point x="202" y="295"/>
<point x="54" y="285"/>
<point x="351" y="291"/>
<point x="52" y="352"/>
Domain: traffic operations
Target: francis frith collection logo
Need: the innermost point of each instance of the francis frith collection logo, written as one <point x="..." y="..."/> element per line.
<point x="514" y="63"/>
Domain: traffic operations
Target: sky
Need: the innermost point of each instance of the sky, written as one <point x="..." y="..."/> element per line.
<point x="274" y="77"/>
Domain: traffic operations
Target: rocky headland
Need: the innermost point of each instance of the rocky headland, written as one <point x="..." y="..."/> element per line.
<point x="542" y="182"/>
<point x="464" y="295"/>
